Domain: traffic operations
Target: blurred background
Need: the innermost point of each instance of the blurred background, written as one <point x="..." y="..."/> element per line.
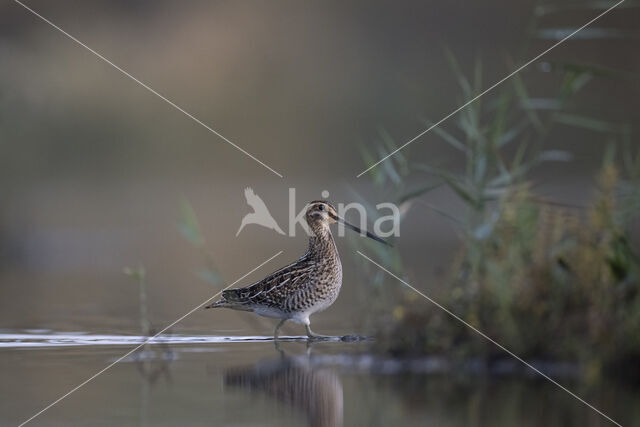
<point x="98" y="174"/>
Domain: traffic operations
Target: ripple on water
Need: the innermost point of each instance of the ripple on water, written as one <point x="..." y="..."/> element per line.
<point x="45" y="339"/>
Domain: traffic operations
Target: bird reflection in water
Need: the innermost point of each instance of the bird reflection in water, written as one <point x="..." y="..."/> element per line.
<point x="295" y="382"/>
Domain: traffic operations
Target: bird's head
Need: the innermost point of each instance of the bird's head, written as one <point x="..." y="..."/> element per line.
<point x="320" y="214"/>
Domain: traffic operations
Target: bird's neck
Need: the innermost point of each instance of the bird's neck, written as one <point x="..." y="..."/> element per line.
<point x="321" y="242"/>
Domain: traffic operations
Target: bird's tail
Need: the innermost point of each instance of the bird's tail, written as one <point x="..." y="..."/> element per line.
<point x="230" y="299"/>
<point x="219" y="303"/>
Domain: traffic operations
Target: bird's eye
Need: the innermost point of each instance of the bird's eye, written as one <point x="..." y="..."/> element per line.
<point x="321" y="207"/>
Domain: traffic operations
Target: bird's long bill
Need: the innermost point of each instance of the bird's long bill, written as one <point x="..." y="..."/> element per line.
<point x="359" y="231"/>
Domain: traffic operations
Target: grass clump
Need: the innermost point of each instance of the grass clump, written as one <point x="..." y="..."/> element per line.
<point x="547" y="281"/>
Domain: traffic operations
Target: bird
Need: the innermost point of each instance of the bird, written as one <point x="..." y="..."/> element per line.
<point x="304" y="287"/>
<point x="297" y="382"/>
<point x="260" y="214"/>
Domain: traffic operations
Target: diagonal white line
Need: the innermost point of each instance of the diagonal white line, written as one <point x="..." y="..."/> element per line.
<point x="141" y="344"/>
<point x="490" y="88"/>
<point x="153" y="91"/>
<point x="458" y="318"/>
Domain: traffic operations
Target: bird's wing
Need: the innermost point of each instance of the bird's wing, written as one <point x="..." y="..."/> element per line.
<point x="275" y="288"/>
<point x="254" y="200"/>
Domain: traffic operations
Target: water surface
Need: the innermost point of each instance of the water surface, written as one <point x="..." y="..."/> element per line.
<point x="246" y="380"/>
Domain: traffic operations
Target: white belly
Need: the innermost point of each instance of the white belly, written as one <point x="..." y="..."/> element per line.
<point x="271" y="312"/>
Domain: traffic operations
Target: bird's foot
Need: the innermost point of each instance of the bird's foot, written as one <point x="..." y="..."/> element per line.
<point x="318" y="337"/>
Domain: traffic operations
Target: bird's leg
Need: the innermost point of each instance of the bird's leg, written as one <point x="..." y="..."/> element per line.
<point x="275" y="333"/>
<point x="312" y="335"/>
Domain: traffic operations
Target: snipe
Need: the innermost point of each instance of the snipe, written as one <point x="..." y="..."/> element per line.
<point x="308" y="285"/>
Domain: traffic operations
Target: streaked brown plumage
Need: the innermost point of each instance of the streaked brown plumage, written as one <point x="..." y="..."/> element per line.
<point x="297" y="382"/>
<point x="308" y="285"/>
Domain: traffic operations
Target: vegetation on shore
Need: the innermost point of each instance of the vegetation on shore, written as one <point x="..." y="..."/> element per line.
<point x="547" y="281"/>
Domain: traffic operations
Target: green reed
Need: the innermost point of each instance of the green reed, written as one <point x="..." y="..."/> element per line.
<point x="545" y="279"/>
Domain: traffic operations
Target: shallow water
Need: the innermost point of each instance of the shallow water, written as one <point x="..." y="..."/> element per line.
<point x="38" y="339"/>
<point x="227" y="380"/>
